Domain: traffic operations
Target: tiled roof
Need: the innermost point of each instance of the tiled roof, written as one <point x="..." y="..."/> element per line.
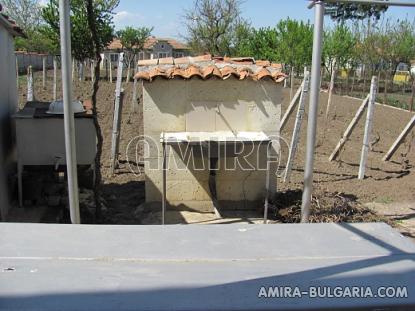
<point x="151" y="41"/>
<point x="10" y="24"/>
<point x="206" y="67"/>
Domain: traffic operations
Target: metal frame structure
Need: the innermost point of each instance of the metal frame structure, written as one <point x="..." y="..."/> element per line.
<point x="64" y="10"/>
<point x="315" y="90"/>
<point x="69" y="121"/>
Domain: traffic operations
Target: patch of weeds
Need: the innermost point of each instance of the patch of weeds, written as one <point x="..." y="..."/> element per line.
<point x="384" y="200"/>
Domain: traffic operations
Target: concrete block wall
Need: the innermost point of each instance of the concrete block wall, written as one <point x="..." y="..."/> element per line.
<point x="191" y="105"/>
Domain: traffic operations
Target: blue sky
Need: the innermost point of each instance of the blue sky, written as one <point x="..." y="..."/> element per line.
<point x="165" y="15"/>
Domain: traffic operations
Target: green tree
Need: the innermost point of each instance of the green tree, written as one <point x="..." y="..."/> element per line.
<point x="294" y="42"/>
<point x="133" y="40"/>
<point x="212" y="26"/>
<point x="260" y="44"/>
<point x="339" y="44"/>
<point x="81" y="36"/>
<point x="345" y="11"/>
<point x="28" y="15"/>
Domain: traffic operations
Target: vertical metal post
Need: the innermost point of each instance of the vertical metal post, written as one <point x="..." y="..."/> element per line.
<point x="69" y="122"/>
<point x="267" y="183"/>
<point x="163" y="202"/>
<point x="368" y="127"/>
<point x="55" y="69"/>
<point x="313" y="110"/>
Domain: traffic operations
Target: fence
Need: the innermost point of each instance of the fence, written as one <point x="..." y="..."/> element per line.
<point x="35" y="60"/>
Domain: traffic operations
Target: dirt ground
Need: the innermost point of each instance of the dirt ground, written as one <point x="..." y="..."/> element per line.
<point x="386" y="182"/>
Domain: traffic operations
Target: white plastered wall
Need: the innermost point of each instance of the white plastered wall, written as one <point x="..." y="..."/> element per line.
<point x="8" y="105"/>
<point x="191" y="105"/>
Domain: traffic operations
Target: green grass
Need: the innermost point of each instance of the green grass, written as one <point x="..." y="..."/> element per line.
<point x="384" y="200"/>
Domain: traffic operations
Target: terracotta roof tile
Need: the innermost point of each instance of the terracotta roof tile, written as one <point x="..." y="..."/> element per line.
<point x="115" y="44"/>
<point x="206" y="67"/>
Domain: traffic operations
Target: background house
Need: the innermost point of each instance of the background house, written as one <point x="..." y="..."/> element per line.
<point x="153" y="48"/>
<point x="8" y="104"/>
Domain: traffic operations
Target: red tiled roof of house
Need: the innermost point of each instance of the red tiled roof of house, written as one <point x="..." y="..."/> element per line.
<point x="151" y="41"/>
<point x="206" y="67"/>
<point x="10" y="24"/>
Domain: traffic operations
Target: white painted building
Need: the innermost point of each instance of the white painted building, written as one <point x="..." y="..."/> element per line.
<point x="8" y="104"/>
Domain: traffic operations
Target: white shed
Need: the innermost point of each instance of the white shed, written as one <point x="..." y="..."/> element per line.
<point x="8" y="103"/>
<point x="229" y="104"/>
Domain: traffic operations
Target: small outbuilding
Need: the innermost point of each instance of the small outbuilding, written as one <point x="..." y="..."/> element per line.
<point x="8" y="104"/>
<point x="214" y="125"/>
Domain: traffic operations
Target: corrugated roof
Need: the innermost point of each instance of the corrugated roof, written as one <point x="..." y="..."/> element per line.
<point x="10" y="24"/>
<point x="151" y="41"/>
<point x="206" y="67"/>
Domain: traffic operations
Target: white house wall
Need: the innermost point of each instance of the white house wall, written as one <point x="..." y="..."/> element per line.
<point x="8" y="105"/>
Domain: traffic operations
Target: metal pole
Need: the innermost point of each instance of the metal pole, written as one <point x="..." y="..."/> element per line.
<point x="313" y="110"/>
<point x="164" y="189"/>
<point x="69" y="122"/>
<point x="378" y="2"/>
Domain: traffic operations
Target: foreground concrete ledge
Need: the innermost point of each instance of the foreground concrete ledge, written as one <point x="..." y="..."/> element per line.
<point x="216" y="267"/>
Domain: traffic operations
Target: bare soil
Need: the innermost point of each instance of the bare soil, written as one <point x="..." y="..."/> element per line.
<point x="334" y="182"/>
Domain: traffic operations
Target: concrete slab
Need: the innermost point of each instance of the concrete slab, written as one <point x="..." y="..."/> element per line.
<point x="217" y="267"/>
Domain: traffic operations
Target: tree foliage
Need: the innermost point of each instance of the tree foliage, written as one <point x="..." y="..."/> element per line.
<point x="290" y="42"/>
<point x="295" y="42"/>
<point x="212" y="25"/>
<point x="81" y="36"/>
<point x="133" y="40"/>
<point x="345" y="11"/>
<point x="28" y="15"/>
<point x="338" y="46"/>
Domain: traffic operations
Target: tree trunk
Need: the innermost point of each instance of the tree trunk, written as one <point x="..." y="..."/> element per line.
<point x="353" y="82"/>
<point x="100" y="140"/>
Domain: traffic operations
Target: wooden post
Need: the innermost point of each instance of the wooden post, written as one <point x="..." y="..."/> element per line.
<point x="290" y="108"/>
<point x="81" y="71"/>
<point x="110" y="65"/>
<point x="292" y="83"/>
<point x="134" y="98"/>
<point x="331" y="88"/>
<point x="55" y="68"/>
<point x="349" y="130"/>
<point x="73" y="69"/>
<point x="44" y="72"/>
<point x="30" y="91"/>
<point x="368" y="127"/>
<point x="106" y="68"/>
<point x="17" y="74"/>
<point x="117" y="115"/>
<point x="297" y="127"/>
<point x="400" y="139"/>
<point x="92" y="71"/>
